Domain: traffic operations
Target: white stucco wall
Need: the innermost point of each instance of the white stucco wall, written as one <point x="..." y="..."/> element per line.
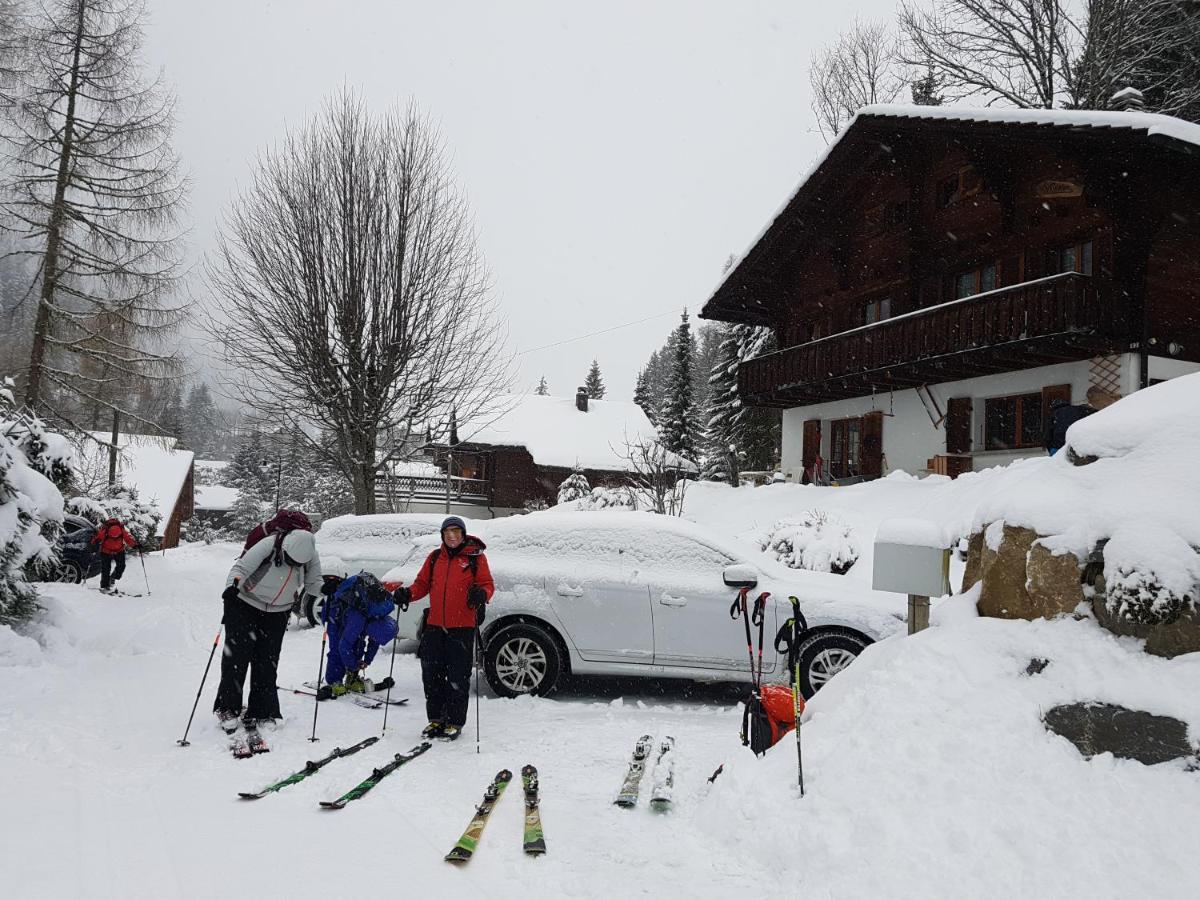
<point x="909" y="436"/>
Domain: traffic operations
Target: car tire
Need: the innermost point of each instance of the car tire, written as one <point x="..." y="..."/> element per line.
<point x="69" y="572"/>
<point x="522" y="658"/>
<point x="312" y="610"/>
<point x="824" y="655"/>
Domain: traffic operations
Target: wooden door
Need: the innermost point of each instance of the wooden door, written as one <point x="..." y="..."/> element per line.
<point x="811" y="448"/>
<point x="872" y="445"/>
<point x="958" y="425"/>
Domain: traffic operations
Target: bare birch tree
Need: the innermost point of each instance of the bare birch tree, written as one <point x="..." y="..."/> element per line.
<point x="863" y="66"/>
<point x="91" y="198"/>
<point x="351" y="291"/>
<point x="1011" y="52"/>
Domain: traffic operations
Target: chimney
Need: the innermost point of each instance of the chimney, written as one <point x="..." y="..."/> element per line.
<point x="581" y="399"/>
<point x="1128" y="99"/>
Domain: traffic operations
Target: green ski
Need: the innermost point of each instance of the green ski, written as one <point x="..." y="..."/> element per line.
<point x="376" y="776"/>
<point x="466" y="845"/>
<point x="310" y="768"/>
<point x="535" y="841"/>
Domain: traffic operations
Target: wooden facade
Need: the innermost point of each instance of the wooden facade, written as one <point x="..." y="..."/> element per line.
<point x="513" y="478"/>
<point x="929" y="250"/>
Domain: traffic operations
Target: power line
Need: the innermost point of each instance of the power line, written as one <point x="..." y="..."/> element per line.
<point x="594" y="333"/>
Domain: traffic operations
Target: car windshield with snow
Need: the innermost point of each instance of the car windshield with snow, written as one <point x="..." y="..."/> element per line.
<point x="636" y="594"/>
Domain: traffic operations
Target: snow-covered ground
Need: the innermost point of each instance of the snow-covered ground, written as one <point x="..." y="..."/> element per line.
<point x="928" y="770"/>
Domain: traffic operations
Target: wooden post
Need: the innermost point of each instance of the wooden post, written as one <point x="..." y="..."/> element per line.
<point x="112" y="449"/>
<point x="918" y="613"/>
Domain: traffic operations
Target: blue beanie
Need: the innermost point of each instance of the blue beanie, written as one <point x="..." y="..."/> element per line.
<point x="454" y="522"/>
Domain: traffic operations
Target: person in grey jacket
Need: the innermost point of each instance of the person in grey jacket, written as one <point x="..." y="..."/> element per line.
<point x="258" y="602"/>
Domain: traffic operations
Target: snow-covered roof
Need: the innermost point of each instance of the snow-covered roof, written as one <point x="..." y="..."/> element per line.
<point x="217" y="497"/>
<point x="556" y="433"/>
<point x="1149" y="124"/>
<point x="150" y="464"/>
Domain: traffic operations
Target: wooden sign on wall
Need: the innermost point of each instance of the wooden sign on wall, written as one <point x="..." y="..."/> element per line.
<point x="1057" y="188"/>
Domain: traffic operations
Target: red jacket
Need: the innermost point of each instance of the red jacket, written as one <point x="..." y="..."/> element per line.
<point x="447" y="580"/>
<point x="113" y="538"/>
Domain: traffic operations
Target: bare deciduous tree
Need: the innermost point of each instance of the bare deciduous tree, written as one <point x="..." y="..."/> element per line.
<point x="1017" y="52"/>
<point x="92" y="197"/>
<point x="863" y="66"/>
<point x="655" y="477"/>
<point x="352" y="293"/>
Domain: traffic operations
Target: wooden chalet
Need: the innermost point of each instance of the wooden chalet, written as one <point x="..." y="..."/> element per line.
<point x="943" y="274"/>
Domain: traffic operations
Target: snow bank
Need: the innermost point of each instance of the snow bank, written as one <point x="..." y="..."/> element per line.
<point x="929" y="774"/>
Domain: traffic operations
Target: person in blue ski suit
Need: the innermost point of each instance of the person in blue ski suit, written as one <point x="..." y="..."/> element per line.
<point x="358" y="620"/>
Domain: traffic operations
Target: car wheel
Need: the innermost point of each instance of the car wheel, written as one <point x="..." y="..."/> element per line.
<point x="522" y="659"/>
<point x="312" y="610"/>
<point x="70" y="572"/>
<point x="824" y="655"/>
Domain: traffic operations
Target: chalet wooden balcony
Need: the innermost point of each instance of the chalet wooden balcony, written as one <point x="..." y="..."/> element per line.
<point x="1037" y="323"/>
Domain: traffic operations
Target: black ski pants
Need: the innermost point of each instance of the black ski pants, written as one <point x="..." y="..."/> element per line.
<point x="446" y="655"/>
<point x="108" y="575"/>
<point x="253" y="640"/>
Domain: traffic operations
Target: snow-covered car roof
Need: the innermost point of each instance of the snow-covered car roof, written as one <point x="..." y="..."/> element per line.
<point x="374" y="543"/>
<point x="648" y="545"/>
<point x="379" y="526"/>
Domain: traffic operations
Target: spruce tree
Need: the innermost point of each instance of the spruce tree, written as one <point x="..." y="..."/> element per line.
<point x="575" y="487"/>
<point x="594" y="385"/>
<point x="679" y="430"/>
<point x="643" y="397"/>
<point x="721" y="445"/>
<point x="542" y="390"/>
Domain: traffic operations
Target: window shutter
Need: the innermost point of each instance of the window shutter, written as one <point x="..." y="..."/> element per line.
<point x="1052" y="393"/>
<point x="871" y="460"/>
<point x="958" y="425"/>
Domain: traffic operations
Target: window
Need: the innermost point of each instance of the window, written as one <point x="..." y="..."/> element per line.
<point x="962" y="184"/>
<point x="1076" y="258"/>
<point x="976" y="281"/>
<point x="845" y="444"/>
<point x="1013" y="422"/>
<point x="877" y="310"/>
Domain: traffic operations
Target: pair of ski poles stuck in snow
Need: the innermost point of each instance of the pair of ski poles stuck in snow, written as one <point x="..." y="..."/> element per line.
<point x="183" y="742"/>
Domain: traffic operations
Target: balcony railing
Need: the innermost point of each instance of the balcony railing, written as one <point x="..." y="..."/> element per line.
<point x="432" y="487"/>
<point x="1036" y="323"/>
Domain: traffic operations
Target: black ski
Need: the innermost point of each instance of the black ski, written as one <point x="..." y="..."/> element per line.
<point x="534" y="841"/>
<point x="310" y="768"/>
<point x="633" y="777"/>
<point x="375" y="777"/>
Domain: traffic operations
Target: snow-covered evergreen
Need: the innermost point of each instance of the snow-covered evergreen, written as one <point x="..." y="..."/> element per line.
<point x="121" y="502"/>
<point x="594" y="385"/>
<point x="542" y="390"/>
<point x="737" y="436"/>
<point x="574" y="487"/>
<point x="679" y="428"/>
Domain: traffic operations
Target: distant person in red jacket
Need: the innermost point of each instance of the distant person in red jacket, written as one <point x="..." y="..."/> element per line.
<point x="458" y="582"/>
<point x="113" y="539"/>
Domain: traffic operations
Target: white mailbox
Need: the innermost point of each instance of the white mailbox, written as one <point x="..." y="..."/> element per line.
<point x="912" y="556"/>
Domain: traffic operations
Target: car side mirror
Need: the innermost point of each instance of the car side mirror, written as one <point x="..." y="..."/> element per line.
<point x="740" y="575"/>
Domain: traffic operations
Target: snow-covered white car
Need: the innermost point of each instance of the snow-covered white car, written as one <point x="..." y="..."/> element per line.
<point x="637" y="594"/>
<point x="352" y="544"/>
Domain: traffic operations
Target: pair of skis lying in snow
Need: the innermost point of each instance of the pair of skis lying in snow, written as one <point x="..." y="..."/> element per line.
<point x="663" y="791"/>
<point x="533" y="842"/>
<point x="314" y="766"/>
<point x="370" y="700"/>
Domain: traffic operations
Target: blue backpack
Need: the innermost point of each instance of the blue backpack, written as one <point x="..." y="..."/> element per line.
<point x="362" y="593"/>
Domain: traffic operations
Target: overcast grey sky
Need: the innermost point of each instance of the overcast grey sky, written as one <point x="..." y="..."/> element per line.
<point x="614" y="153"/>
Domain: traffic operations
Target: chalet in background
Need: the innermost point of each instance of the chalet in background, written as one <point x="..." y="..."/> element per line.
<point x="944" y="274"/>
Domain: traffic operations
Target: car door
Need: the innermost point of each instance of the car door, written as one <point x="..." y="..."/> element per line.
<point x="601" y="600"/>
<point x="692" y="626"/>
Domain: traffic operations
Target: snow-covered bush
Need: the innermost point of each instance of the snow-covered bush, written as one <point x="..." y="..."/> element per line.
<point x="575" y="487"/>
<point x="31" y="505"/>
<point x="608" y="498"/>
<point x="537" y="504"/>
<point x="1150" y="574"/>
<point x="816" y="541"/>
<point x="121" y="502"/>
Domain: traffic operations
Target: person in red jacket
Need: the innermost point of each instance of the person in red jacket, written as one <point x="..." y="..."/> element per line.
<point x="113" y="539"/>
<point x="458" y="582"/>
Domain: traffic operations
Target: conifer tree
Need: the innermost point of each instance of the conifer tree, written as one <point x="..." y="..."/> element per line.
<point x="679" y="430"/>
<point x="594" y="385"/>
<point x="643" y="397"/>
<point x="575" y="487"/>
<point x="542" y="390"/>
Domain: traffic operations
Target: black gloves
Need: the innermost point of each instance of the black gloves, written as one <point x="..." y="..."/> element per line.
<point x="229" y="596"/>
<point x="476" y="597"/>
<point x="402" y="596"/>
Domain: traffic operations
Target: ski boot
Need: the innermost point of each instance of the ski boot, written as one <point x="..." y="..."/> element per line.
<point x="450" y="732"/>
<point x="433" y="729"/>
<point x="254" y="738"/>
<point x="228" y="721"/>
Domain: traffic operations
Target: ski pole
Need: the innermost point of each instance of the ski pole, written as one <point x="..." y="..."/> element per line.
<point x="391" y="672"/>
<point x="478" y="656"/>
<point x="799" y="626"/>
<point x="183" y="741"/>
<point x="142" y="557"/>
<point x="316" y="696"/>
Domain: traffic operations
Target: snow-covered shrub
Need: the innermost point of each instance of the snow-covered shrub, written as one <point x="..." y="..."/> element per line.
<point x="816" y="541"/>
<point x="1150" y="574"/>
<point x="537" y="504"/>
<point x="608" y="498"/>
<point x="121" y="502"/>
<point x="31" y="505"/>
<point x="574" y="488"/>
<point x="195" y="531"/>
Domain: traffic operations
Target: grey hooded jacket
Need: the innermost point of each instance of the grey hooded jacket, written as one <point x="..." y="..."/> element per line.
<point x="271" y="588"/>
